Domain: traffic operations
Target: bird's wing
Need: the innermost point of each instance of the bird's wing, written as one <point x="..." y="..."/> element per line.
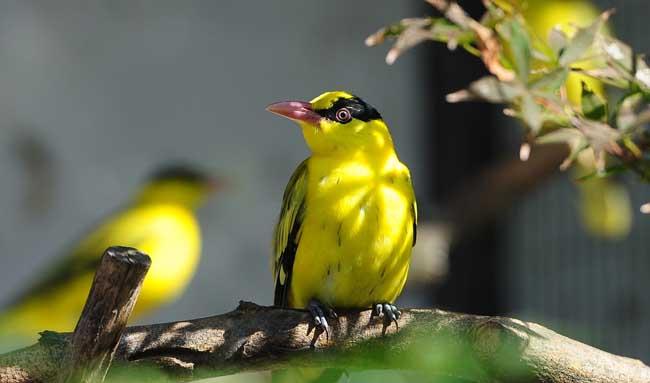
<point x="85" y="256"/>
<point x="414" y="213"/>
<point x="287" y="233"/>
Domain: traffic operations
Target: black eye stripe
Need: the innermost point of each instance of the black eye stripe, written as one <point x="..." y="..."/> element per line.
<point x="357" y="107"/>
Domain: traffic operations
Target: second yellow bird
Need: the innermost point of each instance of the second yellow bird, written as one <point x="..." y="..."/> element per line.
<point x="159" y="222"/>
<point x="348" y="218"/>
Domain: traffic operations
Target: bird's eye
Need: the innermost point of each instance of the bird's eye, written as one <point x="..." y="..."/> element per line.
<point x="343" y="115"/>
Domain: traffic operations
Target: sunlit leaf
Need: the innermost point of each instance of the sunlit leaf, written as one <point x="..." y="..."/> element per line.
<point x="519" y="44"/>
<point x="394" y="30"/>
<point x="632" y="147"/>
<point x="582" y="41"/>
<point x="551" y="81"/>
<point x="626" y="115"/>
<point x="444" y="31"/>
<point x="607" y="74"/>
<point x="407" y="39"/>
<point x="601" y="137"/>
<point x="531" y="113"/>
<point x="557" y="40"/>
<point x="488" y="88"/>
<point x="408" y="33"/>
<point x="642" y="74"/>
<point x="617" y="51"/>
<point x="413" y="31"/>
<point x="593" y="106"/>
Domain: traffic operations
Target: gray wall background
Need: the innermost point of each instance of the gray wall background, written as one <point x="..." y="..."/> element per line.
<point x="107" y="90"/>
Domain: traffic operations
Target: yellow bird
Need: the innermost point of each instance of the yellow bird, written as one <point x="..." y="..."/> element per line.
<point x="160" y="221"/>
<point x="348" y="218"/>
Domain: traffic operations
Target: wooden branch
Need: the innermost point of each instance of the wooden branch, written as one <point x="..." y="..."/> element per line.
<point x="475" y="348"/>
<point x="113" y="294"/>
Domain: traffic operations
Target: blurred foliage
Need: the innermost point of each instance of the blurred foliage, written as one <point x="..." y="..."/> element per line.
<point x="604" y="204"/>
<point x="543" y="15"/>
<point x="605" y="208"/>
<point x="535" y="76"/>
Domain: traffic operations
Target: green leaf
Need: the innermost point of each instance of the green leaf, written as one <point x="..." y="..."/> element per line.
<point x="627" y="112"/>
<point x="616" y="51"/>
<point x="582" y="41"/>
<point x="608" y="75"/>
<point x="444" y="31"/>
<point x="531" y="113"/>
<point x="395" y="30"/>
<point x="489" y="89"/>
<point x="601" y="137"/>
<point x="551" y="81"/>
<point x="642" y="74"/>
<point x="519" y="43"/>
<point x="632" y="147"/>
<point x="557" y="40"/>
<point x="593" y="106"/>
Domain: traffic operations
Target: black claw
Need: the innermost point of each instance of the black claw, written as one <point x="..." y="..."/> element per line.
<point x="390" y="312"/>
<point x="317" y="311"/>
<point x="325" y="325"/>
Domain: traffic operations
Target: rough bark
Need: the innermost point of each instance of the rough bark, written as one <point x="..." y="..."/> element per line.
<point x="475" y="348"/>
<point x="111" y="299"/>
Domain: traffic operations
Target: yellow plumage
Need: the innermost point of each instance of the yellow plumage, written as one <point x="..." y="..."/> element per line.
<point x="348" y="218"/>
<point x="160" y="222"/>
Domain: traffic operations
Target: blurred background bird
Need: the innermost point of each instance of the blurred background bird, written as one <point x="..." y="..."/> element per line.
<point x="160" y="221"/>
<point x="348" y="217"/>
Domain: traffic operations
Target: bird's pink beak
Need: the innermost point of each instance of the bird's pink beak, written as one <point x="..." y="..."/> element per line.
<point x="299" y="111"/>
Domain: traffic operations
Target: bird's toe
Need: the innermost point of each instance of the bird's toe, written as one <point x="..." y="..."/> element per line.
<point x="319" y="313"/>
<point x="390" y="313"/>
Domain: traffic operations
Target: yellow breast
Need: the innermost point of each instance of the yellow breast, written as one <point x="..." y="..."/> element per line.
<point x="357" y="233"/>
<point x="174" y="248"/>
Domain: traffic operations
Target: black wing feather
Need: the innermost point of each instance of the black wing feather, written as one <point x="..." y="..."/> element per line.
<point x="287" y="233"/>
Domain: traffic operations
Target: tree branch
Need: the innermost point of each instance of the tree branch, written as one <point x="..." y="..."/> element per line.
<point x="111" y="299"/>
<point x="476" y="348"/>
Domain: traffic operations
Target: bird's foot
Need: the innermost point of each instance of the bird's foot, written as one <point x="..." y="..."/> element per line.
<point x="320" y="313"/>
<point x="390" y="312"/>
